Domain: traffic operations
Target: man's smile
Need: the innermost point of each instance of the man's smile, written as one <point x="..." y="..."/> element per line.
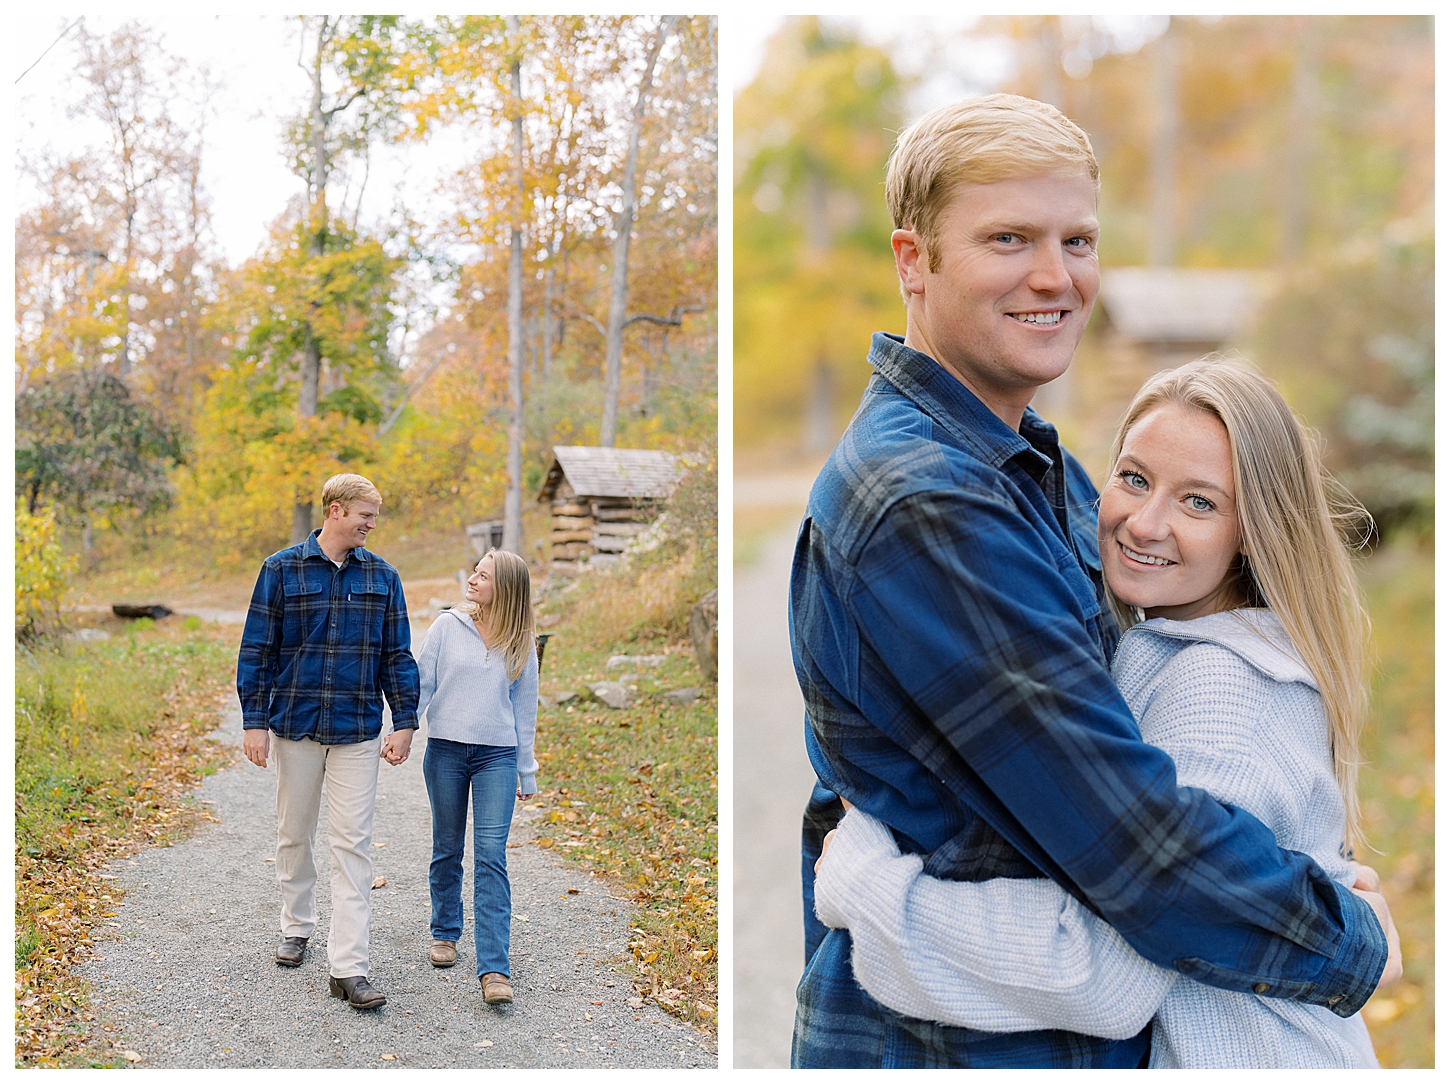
<point x="1041" y="319"/>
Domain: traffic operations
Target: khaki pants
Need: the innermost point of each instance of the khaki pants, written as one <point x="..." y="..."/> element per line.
<point x="351" y="774"/>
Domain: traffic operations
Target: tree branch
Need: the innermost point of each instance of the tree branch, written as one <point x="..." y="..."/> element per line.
<point x="674" y="319"/>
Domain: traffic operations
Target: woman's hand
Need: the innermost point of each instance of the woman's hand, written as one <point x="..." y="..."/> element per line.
<point x="826" y="843"/>
<point x="1367" y="888"/>
<point x="524" y="797"/>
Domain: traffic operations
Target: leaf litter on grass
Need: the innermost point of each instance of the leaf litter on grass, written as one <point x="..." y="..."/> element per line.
<point x="630" y="795"/>
<point x="110" y="739"/>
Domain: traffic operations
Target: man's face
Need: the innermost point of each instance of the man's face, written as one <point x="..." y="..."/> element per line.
<point x="351" y="528"/>
<point x="1014" y="286"/>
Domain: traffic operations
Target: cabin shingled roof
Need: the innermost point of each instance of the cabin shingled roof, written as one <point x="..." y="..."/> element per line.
<point x="1182" y="304"/>
<point x="611" y="472"/>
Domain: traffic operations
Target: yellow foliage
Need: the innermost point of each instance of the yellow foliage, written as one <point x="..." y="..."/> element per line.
<point x="41" y="571"/>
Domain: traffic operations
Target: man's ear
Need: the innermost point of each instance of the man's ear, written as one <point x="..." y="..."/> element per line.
<point x="910" y="261"/>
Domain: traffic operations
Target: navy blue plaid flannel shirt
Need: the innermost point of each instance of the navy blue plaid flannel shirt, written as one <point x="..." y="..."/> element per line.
<point x="322" y="645"/>
<point x="953" y="649"/>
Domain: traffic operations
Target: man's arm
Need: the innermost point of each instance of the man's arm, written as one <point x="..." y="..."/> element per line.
<point x="257" y="661"/>
<point x="399" y="676"/>
<point x="1013" y="709"/>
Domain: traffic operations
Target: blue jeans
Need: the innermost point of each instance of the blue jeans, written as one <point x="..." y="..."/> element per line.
<point x="452" y="769"/>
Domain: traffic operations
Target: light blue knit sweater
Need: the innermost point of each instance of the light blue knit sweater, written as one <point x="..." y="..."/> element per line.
<point x="465" y="689"/>
<point x="1229" y="698"/>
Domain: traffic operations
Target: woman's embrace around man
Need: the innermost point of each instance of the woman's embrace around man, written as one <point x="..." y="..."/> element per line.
<point x="1243" y="659"/>
<point x="957" y="603"/>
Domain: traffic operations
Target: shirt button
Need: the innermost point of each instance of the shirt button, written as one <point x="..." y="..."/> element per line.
<point x="1336" y="999"/>
<point x="1261" y="987"/>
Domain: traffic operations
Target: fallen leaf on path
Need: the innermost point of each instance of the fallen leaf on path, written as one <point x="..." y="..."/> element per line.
<point x="388" y="1057"/>
<point x="635" y="1002"/>
<point x="379" y="882"/>
<point x="480" y="1046"/>
<point x="131" y="1056"/>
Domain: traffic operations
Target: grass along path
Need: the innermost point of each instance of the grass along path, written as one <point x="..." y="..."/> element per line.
<point x="630" y="794"/>
<point x="109" y="741"/>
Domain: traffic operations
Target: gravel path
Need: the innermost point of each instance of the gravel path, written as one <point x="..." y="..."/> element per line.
<point x="773" y="779"/>
<point x="191" y="982"/>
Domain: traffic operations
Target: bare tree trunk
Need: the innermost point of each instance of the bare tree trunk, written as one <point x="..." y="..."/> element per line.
<point x="546" y="362"/>
<point x="513" y="496"/>
<point x="619" y="280"/>
<point x="317" y="192"/>
<point x="1163" y="154"/>
<point x="1299" y="144"/>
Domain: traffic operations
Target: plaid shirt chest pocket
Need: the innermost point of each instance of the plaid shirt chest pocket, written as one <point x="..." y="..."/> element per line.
<point x="304" y="609"/>
<point x="364" y="607"/>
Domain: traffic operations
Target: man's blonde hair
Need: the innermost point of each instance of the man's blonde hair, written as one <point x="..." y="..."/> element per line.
<point x="977" y="141"/>
<point x="1298" y="525"/>
<point x="344" y="489"/>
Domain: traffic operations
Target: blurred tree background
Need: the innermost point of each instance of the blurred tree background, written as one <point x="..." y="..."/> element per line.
<point x="1277" y="168"/>
<point x="171" y="407"/>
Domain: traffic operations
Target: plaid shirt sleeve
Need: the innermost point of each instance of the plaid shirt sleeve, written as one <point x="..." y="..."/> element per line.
<point x="399" y="668"/>
<point x="261" y="644"/>
<point x="973" y="658"/>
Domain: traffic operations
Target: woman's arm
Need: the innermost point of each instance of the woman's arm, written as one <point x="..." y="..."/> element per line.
<point x="428" y="664"/>
<point x="524" y="696"/>
<point x="999" y="955"/>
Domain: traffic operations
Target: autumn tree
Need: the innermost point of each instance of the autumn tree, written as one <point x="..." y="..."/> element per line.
<point x="814" y="275"/>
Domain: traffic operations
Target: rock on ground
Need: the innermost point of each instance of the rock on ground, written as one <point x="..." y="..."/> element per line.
<point x="191" y="983"/>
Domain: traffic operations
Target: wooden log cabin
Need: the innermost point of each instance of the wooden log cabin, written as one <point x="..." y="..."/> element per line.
<point x="601" y="498"/>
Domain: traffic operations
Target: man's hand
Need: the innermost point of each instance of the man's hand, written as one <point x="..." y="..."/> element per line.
<point x="396" y="746"/>
<point x="255" y="744"/>
<point x="1367" y="888"/>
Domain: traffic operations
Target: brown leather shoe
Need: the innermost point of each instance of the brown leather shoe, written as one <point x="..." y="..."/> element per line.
<point x="358" y="992"/>
<point x="497" y="990"/>
<point x="289" y="952"/>
<point x="443" y="953"/>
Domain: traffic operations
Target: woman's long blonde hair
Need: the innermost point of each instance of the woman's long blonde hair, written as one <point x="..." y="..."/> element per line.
<point x="511" y="615"/>
<point x="1297" y="526"/>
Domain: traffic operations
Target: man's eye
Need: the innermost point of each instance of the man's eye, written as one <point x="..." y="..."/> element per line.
<point x="1004" y="238"/>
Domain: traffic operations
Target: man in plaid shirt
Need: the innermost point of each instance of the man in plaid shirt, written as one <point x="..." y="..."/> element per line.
<point x="953" y="644"/>
<point x="326" y="637"/>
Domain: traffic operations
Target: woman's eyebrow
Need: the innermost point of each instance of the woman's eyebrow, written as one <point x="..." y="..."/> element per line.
<point x="1192" y="483"/>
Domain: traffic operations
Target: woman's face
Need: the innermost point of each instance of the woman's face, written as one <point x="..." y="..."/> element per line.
<point x="1168" y="525"/>
<point x="480" y="584"/>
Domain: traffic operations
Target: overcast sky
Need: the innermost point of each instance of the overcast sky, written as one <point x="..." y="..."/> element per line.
<point x="254" y="56"/>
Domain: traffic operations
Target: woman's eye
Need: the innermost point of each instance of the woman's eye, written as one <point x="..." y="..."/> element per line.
<point x="1133" y="480"/>
<point x="1200" y="504"/>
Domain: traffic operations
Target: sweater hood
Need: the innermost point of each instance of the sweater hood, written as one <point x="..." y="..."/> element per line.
<point x="1254" y="635"/>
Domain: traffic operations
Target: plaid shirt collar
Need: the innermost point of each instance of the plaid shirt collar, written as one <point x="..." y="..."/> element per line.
<point x="313" y="548"/>
<point x="951" y="405"/>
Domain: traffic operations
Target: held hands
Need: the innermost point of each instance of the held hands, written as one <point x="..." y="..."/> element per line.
<point x="255" y="744"/>
<point x="396" y="746"/>
<point x="1367" y="888"/>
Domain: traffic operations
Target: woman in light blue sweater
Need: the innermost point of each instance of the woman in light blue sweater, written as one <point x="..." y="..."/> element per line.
<point x="1218" y="528"/>
<point x="479" y="684"/>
